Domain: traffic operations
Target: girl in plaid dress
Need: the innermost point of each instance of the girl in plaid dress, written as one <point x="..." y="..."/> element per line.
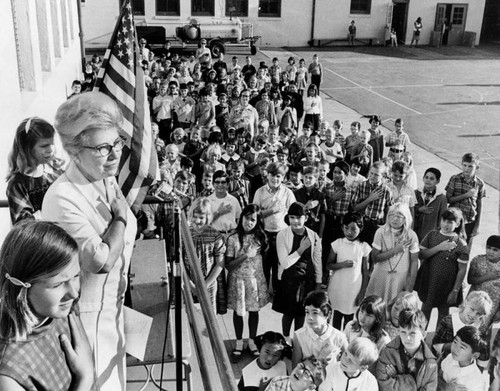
<point x="43" y="343"/>
<point x="247" y="287"/>
<point x="209" y="244"/>
<point x="32" y="168"/>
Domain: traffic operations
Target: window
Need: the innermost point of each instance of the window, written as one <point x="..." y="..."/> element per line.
<point x="236" y="7"/>
<point x="137" y="6"/>
<point x="270" y="8"/>
<point x="202" y="7"/>
<point x="361" y="6"/>
<point x="458" y="15"/>
<point x="167" y="7"/>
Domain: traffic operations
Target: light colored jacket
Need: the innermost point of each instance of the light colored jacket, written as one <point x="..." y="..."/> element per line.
<point x="284" y="243"/>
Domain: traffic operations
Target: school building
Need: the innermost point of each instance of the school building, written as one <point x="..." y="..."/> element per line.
<point x="298" y="22"/>
<point x="41" y="54"/>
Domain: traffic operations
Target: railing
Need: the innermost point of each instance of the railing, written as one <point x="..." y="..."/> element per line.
<point x="226" y="375"/>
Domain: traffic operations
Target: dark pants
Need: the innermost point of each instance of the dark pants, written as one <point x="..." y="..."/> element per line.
<point x="270" y="261"/>
<point x="165" y="128"/>
<point x="468" y="230"/>
<point x="314" y="119"/>
<point x="316" y="80"/>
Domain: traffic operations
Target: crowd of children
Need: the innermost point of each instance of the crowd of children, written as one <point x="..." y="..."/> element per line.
<point x="329" y="228"/>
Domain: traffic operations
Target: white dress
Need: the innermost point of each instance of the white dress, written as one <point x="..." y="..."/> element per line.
<point x="83" y="209"/>
<point x="345" y="284"/>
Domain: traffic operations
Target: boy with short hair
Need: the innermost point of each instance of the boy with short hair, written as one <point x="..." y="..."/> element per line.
<point x="239" y="185"/>
<point x="354" y="178"/>
<point x="323" y="170"/>
<point x="406" y="363"/>
<point x="206" y="184"/>
<point x="282" y="156"/>
<point x="466" y="191"/>
<point x="274" y="200"/>
<point x="397" y="141"/>
<point x="255" y="155"/>
<point x="373" y="198"/>
<point x="460" y="366"/>
<point x="350" y="373"/>
<point x="312" y="156"/>
<point x="401" y="192"/>
<point x="363" y="151"/>
<point x="475" y="308"/>
<point x="294" y="181"/>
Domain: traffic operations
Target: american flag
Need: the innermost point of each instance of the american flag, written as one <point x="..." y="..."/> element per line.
<point x="122" y="78"/>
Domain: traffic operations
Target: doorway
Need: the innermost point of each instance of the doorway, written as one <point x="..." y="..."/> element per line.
<point x="399" y="18"/>
<point x="455" y="15"/>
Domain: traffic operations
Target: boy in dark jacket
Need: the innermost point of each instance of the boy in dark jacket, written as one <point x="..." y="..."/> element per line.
<point x="407" y="363"/>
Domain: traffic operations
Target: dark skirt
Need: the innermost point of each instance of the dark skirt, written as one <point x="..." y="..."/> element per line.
<point x="296" y="282"/>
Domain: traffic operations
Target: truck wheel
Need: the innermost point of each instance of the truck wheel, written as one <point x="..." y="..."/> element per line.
<point x="217" y="49"/>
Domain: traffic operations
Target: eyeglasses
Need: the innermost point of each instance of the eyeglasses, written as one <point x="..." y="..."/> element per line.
<point x="245" y="96"/>
<point x="305" y="373"/>
<point x="220" y="182"/>
<point x="105" y="149"/>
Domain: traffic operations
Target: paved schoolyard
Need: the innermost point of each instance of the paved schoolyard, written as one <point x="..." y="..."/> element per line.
<point x="449" y="97"/>
<point x="352" y="95"/>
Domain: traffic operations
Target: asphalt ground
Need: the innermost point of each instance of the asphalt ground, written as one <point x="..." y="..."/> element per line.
<point x="448" y="97"/>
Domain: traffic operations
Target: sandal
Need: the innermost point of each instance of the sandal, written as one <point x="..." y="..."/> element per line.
<point x="237" y="353"/>
<point x="253" y="348"/>
<point x="236" y="356"/>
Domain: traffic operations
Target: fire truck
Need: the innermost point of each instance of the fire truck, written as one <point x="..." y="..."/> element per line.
<point x="220" y="34"/>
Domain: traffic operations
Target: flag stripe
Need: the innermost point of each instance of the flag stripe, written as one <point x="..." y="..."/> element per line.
<point x="121" y="77"/>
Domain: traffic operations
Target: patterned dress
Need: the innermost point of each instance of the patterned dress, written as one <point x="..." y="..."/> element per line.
<point x="480" y="266"/>
<point x="38" y="362"/>
<point x="437" y="274"/>
<point x="25" y="193"/>
<point x="247" y="287"/>
<point x="209" y="245"/>
<point x="389" y="276"/>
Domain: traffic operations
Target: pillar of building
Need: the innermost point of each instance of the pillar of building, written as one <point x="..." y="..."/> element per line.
<point x="46" y="37"/>
<point x="27" y="44"/>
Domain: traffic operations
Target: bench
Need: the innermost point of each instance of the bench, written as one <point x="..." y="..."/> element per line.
<point x="332" y="41"/>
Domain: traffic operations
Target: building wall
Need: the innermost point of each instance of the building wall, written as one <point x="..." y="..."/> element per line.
<point x="426" y="9"/>
<point x="293" y="28"/>
<point x="44" y="90"/>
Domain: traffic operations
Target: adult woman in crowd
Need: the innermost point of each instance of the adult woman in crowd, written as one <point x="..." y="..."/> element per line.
<point x="88" y="203"/>
<point x="417" y="27"/>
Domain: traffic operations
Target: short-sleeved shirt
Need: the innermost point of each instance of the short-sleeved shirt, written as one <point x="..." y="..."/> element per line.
<point x="405" y="194"/>
<point x="229" y="220"/>
<point x="327" y="346"/>
<point x="461" y="184"/>
<point x="265" y="199"/>
<point x="336" y="379"/>
<point x="375" y="210"/>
